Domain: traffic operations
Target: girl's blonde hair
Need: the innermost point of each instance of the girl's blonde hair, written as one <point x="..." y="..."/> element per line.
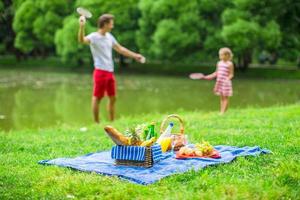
<point x="226" y="51"/>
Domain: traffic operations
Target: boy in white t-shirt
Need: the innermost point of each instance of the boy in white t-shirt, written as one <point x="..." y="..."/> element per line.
<point x="101" y="44"/>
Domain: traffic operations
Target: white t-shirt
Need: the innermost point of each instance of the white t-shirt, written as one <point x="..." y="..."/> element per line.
<point x="101" y="48"/>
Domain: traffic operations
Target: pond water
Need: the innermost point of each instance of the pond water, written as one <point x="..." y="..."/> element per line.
<point x="30" y="99"/>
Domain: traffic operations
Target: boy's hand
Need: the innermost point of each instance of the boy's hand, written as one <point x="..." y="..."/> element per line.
<point x="140" y="58"/>
<point x="82" y="20"/>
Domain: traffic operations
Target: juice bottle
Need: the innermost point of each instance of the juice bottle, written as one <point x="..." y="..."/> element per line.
<point x="166" y="133"/>
<point x="165" y="143"/>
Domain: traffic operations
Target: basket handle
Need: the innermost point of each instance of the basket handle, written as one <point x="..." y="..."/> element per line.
<point x="172" y="116"/>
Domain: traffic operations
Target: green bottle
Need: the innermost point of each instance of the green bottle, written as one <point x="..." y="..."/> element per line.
<point x="151" y="132"/>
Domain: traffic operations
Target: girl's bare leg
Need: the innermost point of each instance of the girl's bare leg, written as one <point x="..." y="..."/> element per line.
<point x="225" y="102"/>
<point x="221" y="105"/>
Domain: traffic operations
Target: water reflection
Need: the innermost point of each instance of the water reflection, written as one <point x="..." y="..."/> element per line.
<point x="34" y="99"/>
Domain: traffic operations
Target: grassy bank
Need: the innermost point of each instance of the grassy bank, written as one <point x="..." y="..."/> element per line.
<point x="54" y="63"/>
<point x="275" y="176"/>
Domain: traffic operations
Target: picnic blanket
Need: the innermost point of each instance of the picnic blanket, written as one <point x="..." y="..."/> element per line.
<point x="102" y="163"/>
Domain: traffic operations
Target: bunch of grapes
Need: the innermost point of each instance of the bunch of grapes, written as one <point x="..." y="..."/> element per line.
<point x="205" y="147"/>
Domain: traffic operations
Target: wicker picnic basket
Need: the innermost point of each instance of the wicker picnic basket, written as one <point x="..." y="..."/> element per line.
<point x="147" y="163"/>
<point x="148" y="153"/>
<point x="172" y="116"/>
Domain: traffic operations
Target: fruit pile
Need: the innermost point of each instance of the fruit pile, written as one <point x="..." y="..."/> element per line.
<point x="200" y="150"/>
<point x="205" y="148"/>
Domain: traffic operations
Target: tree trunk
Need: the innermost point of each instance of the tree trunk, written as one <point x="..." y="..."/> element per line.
<point x="122" y="62"/>
<point x="80" y="62"/>
<point x="244" y="60"/>
<point x="44" y="53"/>
<point x="18" y="54"/>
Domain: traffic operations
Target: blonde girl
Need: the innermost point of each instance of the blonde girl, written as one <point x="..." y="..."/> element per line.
<point x="223" y="74"/>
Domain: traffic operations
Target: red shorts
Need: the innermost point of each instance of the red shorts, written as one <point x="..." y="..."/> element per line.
<point x="104" y="83"/>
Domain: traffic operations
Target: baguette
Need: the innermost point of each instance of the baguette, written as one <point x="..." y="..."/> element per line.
<point x="116" y="136"/>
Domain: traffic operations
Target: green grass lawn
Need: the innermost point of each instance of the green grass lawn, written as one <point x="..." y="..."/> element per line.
<point x="272" y="176"/>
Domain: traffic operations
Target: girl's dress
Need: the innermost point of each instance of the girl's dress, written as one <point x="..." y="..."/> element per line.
<point x="223" y="85"/>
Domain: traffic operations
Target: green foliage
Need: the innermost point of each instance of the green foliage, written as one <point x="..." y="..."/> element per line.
<point x="179" y="30"/>
<point x="250" y="25"/>
<point x="241" y="35"/>
<point x="24" y="42"/>
<point x="22" y="25"/>
<point x="67" y="45"/>
<point x="17" y="4"/>
<point x="170" y="41"/>
<point x="271" y="35"/>
<point x="165" y="30"/>
<point x="7" y="35"/>
<point x="36" y="22"/>
<point x="231" y="15"/>
<point x="288" y="20"/>
<point x="1" y="6"/>
<point x="2" y="47"/>
<point x="44" y="27"/>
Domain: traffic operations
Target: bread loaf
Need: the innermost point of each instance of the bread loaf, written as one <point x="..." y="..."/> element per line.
<point x="116" y="136"/>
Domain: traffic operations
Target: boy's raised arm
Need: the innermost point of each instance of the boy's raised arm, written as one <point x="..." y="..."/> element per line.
<point x="81" y="35"/>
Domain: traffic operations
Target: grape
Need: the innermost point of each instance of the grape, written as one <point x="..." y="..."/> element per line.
<point x="204" y="147"/>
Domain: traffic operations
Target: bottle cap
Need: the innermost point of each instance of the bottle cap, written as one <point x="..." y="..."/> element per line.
<point x="171" y="124"/>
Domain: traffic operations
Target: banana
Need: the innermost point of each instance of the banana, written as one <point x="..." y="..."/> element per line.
<point x="148" y="143"/>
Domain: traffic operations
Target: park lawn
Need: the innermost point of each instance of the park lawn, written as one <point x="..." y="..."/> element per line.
<point x="271" y="176"/>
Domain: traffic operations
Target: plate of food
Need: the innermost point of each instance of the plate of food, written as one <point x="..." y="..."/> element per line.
<point x="200" y="150"/>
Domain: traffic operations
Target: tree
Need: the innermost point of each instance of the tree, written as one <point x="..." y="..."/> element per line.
<point x="165" y="28"/>
<point x="7" y="35"/>
<point x="242" y="36"/>
<point x="251" y="25"/>
<point x="176" y="30"/>
<point x="288" y="18"/>
<point x="36" y="22"/>
<point x="2" y="18"/>
<point x="180" y="30"/>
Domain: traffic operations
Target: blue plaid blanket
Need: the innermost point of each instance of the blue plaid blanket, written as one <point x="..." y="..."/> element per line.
<point x="102" y="163"/>
<point x="135" y="153"/>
